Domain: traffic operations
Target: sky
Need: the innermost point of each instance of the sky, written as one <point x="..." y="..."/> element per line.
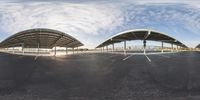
<point x="94" y="21"/>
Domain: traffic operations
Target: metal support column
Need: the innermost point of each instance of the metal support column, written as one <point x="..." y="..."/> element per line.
<point x="176" y="48"/>
<point x="66" y="51"/>
<point x="124" y="47"/>
<point x="73" y="50"/>
<point x="162" y="47"/>
<point x="55" y="51"/>
<point x="172" y="48"/>
<point x="13" y="50"/>
<point x="38" y="48"/>
<point x="113" y="47"/>
<point x="23" y="48"/>
<point x="107" y="48"/>
<point x="144" y="46"/>
<point x="77" y="50"/>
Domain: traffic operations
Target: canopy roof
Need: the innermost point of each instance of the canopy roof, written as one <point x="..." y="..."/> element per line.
<point x="40" y="37"/>
<point x="141" y="34"/>
<point x="198" y="46"/>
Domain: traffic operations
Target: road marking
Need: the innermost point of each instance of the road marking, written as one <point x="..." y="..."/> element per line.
<point x="113" y="55"/>
<point x="35" y="57"/>
<point x="164" y="56"/>
<point x="147" y="57"/>
<point x="20" y="56"/>
<point x="127" y="57"/>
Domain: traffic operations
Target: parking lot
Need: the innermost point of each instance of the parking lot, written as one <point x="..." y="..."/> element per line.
<point x="100" y="76"/>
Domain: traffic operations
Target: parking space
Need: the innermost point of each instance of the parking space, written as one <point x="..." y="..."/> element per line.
<point x="98" y="76"/>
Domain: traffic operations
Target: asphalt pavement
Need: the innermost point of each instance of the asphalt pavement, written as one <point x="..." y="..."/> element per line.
<point x="101" y="76"/>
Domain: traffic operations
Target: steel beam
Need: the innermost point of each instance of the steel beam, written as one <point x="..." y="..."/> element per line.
<point x="66" y="50"/>
<point x="13" y="50"/>
<point x="73" y="50"/>
<point x="55" y="51"/>
<point x="124" y="47"/>
<point x="162" y="47"/>
<point x="107" y="48"/>
<point x="23" y="48"/>
<point x="77" y="50"/>
<point x="113" y="47"/>
<point x="38" y="48"/>
<point x="144" y="46"/>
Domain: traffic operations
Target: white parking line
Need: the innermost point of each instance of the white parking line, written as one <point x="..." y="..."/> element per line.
<point x="147" y="57"/>
<point x="127" y="57"/>
<point x="35" y="57"/>
<point x="113" y="55"/>
<point x="164" y="56"/>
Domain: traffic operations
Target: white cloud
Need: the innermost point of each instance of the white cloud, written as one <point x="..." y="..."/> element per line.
<point x="165" y="17"/>
<point x="164" y="1"/>
<point x="78" y="20"/>
<point x="71" y="18"/>
<point x="88" y="20"/>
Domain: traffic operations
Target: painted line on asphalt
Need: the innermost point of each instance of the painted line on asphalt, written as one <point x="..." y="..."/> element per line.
<point x="147" y="58"/>
<point x="21" y="56"/>
<point x="127" y="57"/>
<point x="113" y="55"/>
<point x="35" y="57"/>
<point x="164" y="56"/>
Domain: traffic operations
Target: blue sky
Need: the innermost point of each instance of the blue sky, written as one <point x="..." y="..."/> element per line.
<point x="93" y="21"/>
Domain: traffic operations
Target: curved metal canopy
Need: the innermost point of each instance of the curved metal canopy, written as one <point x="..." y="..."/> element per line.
<point x="40" y="37"/>
<point x="198" y="46"/>
<point x="141" y="34"/>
